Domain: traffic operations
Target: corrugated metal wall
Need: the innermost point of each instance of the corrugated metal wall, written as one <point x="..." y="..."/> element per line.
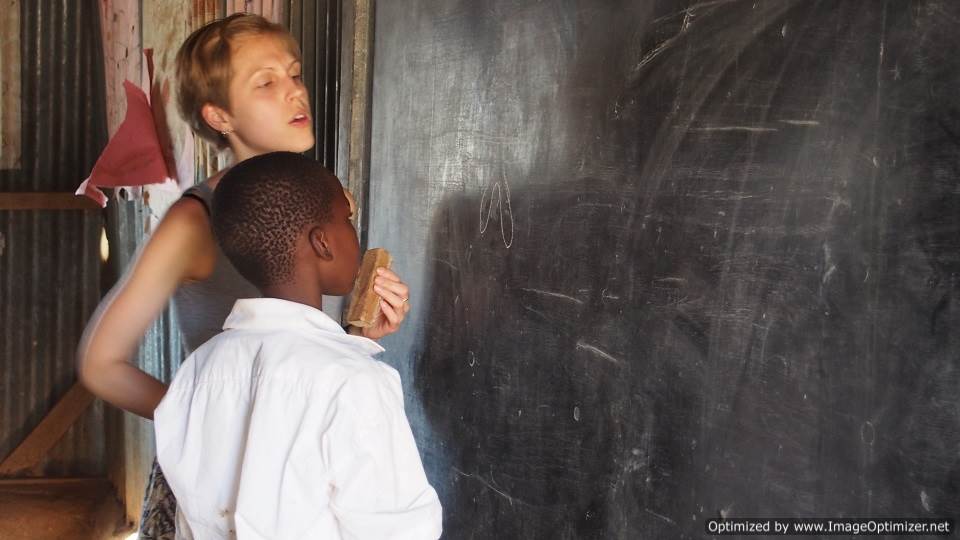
<point x="49" y="265"/>
<point x="316" y="25"/>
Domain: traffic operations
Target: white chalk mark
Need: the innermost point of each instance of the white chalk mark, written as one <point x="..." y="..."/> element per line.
<point x="553" y="294"/>
<point x="480" y="479"/>
<point x="838" y="201"/>
<point x="726" y="512"/>
<point x="661" y="516"/>
<point x="752" y="129"/>
<point x="505" y="215"/>
<point x="868" y="433"/>
<point x="620" y="206"/>
<point x="880" y="66"/>
<point x="599" y="352"/>
<point x="829" y="273"/>
<point x="658" y="50"/>
<point x="763" y="344"/>
<point x="690" y="10"/>
<point x="530" y="309"/>
<point x="801" y="122"/>
<point x="446" y="263"/>
<point x="829" y="265"/>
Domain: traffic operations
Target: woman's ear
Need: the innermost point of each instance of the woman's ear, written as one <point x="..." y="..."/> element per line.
<point x="217" y="118"/>
<point x="319" y="244"/>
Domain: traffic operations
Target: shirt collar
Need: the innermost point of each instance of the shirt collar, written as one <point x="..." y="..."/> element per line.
<point x="274" y="313"/>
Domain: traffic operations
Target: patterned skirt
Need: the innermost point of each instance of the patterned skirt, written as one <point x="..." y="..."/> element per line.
<point x="159" y="518"/>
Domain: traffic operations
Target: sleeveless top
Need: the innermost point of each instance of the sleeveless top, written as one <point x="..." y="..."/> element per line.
<point x="202" y="306"/>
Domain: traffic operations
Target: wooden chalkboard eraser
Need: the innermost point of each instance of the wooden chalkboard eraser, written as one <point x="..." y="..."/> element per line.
<point x="364" y="301"/>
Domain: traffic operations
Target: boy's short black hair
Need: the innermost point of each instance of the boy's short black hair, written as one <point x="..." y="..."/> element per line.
<point x="260" y="207"/>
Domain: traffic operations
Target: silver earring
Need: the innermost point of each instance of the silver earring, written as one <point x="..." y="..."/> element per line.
<point x="225" y="133"/>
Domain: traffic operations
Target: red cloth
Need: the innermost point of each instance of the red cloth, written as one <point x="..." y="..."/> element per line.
<point x="133" y="156"/>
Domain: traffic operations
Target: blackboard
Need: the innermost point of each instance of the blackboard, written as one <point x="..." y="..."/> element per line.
<point x="673" y="260"/>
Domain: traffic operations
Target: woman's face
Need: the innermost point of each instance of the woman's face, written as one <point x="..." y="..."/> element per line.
<point x="269" y="108"/>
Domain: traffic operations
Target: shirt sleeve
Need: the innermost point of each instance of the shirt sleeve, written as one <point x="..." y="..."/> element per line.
<point x="379" y="487"/>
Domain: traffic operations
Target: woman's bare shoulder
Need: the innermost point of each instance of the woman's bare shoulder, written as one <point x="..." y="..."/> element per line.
<point x="184" y="236"/>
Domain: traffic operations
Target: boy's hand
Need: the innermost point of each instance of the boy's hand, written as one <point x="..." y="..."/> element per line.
<point x="394" y="304"/>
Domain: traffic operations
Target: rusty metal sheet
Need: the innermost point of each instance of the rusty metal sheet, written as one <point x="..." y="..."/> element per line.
<point x="49" y="262"/>
<point x="49" y="285"/>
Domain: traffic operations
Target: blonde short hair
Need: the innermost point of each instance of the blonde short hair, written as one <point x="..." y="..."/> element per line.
<point x="204" y="71"/>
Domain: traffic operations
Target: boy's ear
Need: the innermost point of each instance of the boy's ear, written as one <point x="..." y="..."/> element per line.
<point x="319" y="244"/>
<point x="216" y="118"/>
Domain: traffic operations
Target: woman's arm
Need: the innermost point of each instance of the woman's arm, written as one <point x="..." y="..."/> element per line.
<point x="181" y="248"/>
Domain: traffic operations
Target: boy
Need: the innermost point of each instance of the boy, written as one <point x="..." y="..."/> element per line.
<point x="284" y="426"/>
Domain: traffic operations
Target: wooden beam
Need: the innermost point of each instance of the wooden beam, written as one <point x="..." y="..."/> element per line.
<point x="45" y="201"/>
<point x="51" y="429"/>
<point x="43" y="481"/>
<point x="10" y="104"/>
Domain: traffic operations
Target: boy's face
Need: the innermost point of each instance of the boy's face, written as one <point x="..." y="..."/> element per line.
<point x="269" y="107"/>
<point x="342" y="236"/>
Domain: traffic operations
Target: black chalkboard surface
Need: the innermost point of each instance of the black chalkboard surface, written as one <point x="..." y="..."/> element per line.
<point x="673" y="260"/>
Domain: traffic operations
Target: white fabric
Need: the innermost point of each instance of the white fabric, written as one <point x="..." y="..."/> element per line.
<point x="285" y="427"/>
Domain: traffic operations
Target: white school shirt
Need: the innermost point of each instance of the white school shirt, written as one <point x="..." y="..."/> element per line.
<point x="285" y="427"/>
